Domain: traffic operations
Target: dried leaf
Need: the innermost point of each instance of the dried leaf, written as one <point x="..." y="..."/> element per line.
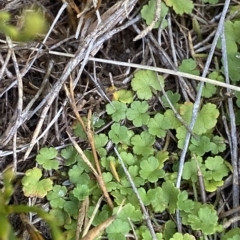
<point x="93" y="233"/>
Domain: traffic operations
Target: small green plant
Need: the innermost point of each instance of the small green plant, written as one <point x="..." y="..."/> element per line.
<point x="6" y="230"/>
<point x="33" y="186"/>
<point x="145" y="83"/>
<point x="32" y="23"/>
<point x="145" y="164"/>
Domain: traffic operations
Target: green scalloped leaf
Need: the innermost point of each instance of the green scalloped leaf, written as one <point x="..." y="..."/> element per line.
<point x="189" y="66"/>
<point x="159" y="125"/>
<point x="143" y="144"/>
<point x="46" y="158"/>
<point x="205" y="220"/>
<point x="137" y="113"/>
<point x="145" y="83"/>
<point x="117" y="110"/>
<point x="148" y="13"/>
<point x="180" y="6"/>
<point x="33" y="186"/>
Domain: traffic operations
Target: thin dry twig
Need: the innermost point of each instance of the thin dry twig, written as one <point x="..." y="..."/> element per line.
<point x="177" y="115"/>
<point x="73" y="5"/>
<point x="3" y="68"/>
<point x="233" y="139"/>
<point x="231" y="221"/>
<point x="82" y="154"/>
<point x="89" y="133"/>
<point x="196" y="105"/>
<point x="91" y="141"/>
<point x="145" y="213"/>
<point x="81" y="215"/>
<point x="96" y="231"/>
<point x="157" y="69"/>
<point x="93" y="216"/>
<point x="200" y="181"/>
<point x="70" y="95"/>
<point x="100" y="176"/>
